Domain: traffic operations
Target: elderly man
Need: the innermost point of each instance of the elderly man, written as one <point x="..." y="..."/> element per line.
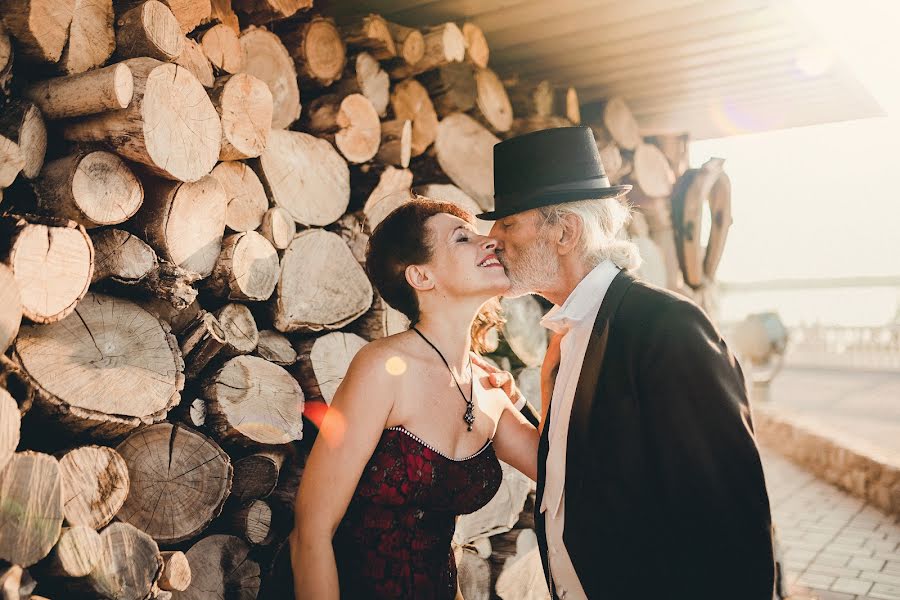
<point x="649" y="479"/>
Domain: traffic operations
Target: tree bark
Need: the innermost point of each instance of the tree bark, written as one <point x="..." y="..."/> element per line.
<point x="443" y="44"/>
<point x="529" y="99"/>
<point x="256" y="475"/>
<point x="92" y="39"/>
<point x="183" y="222"/>
<point x="72" y="371"/>
<point x="266" y="58"/>
<point x="40" y="26"/>
<point x="451" y="87"/>
<point x="222" y="47"/>
<point x="176" y="573"/>
<point x="202" y="343"/>
<point x="318" y="51"/>
<point x="6" y="60"/>
<point x="10" y="308"/>
<point x="306" y="298"/>
<point x="266" y="11"/>
<point x="396" y="143"/>
<point x="95" y="483"/>
<point x="247" y="268"/>
<point x="100" y="90"/>
<point x="252" y="522"/>
<point x="31" y="482"/>
<point x="323" y="361"/>
<point x="252" y="401"/>
<point x="410" y="101"/>
<point x="381" y="320"/>
<point x="221" y="569"/>
<point x="186" y="478"/>
<point x="149" y="30"/>
<point x="52" y="264"/>
<point x="241" y="333"/>
<point x="350" y="123"/>
<point x="245" y="106"/>
<point x="184" y="144"/>
<point x="12" y="160"/>
<point x="370" y="33"/>
<point x="464" y="151"/>
<point x="279" y="227"/>
<point x="244" y="193"/>
<point x="194" y="60"/>
<point x="306" y="176"/>
<point x="275" y="348"/>
<point x="409" y="41"/>
<point x="21" y="122"/>
<point x="92" y="188"/>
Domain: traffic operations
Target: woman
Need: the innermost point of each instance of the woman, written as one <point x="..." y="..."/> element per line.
<point x="414" y="433"/>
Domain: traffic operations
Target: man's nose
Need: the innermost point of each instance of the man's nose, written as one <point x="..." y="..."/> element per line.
<point x="489" y="243"/>
<point x="495" y="231"/>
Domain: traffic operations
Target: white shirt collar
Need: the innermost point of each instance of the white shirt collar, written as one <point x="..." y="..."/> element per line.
<point x="584" y="300"/>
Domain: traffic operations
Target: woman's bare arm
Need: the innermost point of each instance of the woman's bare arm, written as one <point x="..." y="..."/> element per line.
<point x="350" y="431"/>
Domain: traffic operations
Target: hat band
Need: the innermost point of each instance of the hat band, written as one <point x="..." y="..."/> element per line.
<point x="596" y="183"/>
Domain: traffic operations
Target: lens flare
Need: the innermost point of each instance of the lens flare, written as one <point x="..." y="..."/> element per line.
<point x="395" y="366"/>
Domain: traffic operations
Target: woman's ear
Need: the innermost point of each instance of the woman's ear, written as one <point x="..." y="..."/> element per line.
<point x="571" y="230"/>
<point x="419" y="278"/>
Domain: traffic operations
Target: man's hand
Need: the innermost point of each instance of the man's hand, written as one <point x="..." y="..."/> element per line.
<point x="499" y="378"/>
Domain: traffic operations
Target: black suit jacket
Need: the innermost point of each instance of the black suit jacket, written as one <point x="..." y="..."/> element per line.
<point x="664" y="492"/>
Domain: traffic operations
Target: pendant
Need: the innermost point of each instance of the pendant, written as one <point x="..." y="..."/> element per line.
<point x="469" y="417"/>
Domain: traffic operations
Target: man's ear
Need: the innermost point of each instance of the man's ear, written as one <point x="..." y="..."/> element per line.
<point x="571" y="230"/>
<point x="419" y="278"/>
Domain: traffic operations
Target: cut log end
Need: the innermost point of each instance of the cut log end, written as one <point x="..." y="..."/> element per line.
<point x="95" y="483"/>
<point x="245" y="196"/>
<point x="279" y="227"/>
<point x="245" y="106"/>
<point x="222" y="47"/>
<point x="149" y="29"/>
<point x="266" y="58"/>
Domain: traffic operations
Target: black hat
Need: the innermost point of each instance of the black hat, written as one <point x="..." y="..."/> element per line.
<point x="547" y="167"/>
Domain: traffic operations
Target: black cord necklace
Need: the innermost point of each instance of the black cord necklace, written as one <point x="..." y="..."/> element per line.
<point x="469" y="417"/>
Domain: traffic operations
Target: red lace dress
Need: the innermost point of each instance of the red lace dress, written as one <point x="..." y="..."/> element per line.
<point x="394" y="541"/>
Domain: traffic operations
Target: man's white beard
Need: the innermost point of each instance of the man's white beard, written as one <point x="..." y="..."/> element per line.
<point x="534" y="270"/>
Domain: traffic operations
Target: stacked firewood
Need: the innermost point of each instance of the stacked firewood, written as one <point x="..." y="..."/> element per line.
<point x="181" y="278"/>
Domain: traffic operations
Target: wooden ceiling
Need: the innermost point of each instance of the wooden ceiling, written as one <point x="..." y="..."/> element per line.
<point x="711" y="67"/>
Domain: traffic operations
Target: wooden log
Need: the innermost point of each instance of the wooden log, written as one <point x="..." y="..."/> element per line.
<point x="52" y="264"/>
<point x="202" y="343"/>
<point x="6" y="60"/>
<point x="522" y="330"/>
<point x="491" y="101"/>
<point x="92" y="39"/>
<point x="222" y="568"/>
<point x="393" y="189"/>
<point x="189" y="13"/>
<point x="251" y="401"/>
<point x="616" y="118"/>
<point x="92" y="188"/>
<point x="464" y="151"/>
<point x="95" y="483"/>
<point x="279" y="227"/>
<point x="245" y="197"/>
<point x="381" y="320"/>
<point x="318" y="51"/>
<point x="247" y="268"/>
<point x="40" y="26"/>
<point x="17" y="384"/>
<point x="121" y="256"/>
<point x="75" y="554"/>
<point x="530" y="99"/>
<point x="535" y="123"/>
<point x="443" y="44"/>
<point x="183" y="143"/>
<point x="109" y="88"/>
<point x="245" y="106"/>
<point x="409" y="41"/>
<point x="370" y="33"/>
<point x="222" y="12"/>
<point x="266" y="11"/>
<point x="611" y="159"/>
<point x="176" y="573"/>
<point x="500" y="514"/>
<point x="183" y="222"/>
<point x="252" y="522"/>
<point x="275" y="348"/>
<point x="194" y="60"/>
<point x="256" y="475"/>
<point x="12" y="159"/>
<point x="350" y="123"/>
<point x="127" y="568"/>
<point x="70" y="366"/>
<point x="266" y="58"/>
<point x="410" y="100"/>
<point x="522" y="576"/>
<point x="303" y="300"/>
<point x="323" y="362"/>
<point x="179" y="319"/>
<point x="477" y="50"/>
<point x="452" y="88"/>
<point x="184" y="480"/>
<point x="30" y="485"/>
<point x="16" y="583"/>
<point x="675" y="148"/>
<point x="10" y="308"/>
<point x="474" y="574"/>
<point x="566" y="103"/>
<point x="364" y="75"/>
<point x="149" y="30"/>
<point x="651" y="172"/>
<point x="172" y="284"/>
<point x="241" y="333"/>
<point x="21" y="122"/>
<point x="447" y="192"/>
<point x="9" y="427"/>
<point x="306" y="176"/>
<point x="396" y="143"/>
<point x="352" y="229"/>
<point x="222" y="47"/>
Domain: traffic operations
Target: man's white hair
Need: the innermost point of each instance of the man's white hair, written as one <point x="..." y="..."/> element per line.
<point x="603" y="230"/>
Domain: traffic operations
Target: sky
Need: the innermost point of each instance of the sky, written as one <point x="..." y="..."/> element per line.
<point x="822" y="201"/>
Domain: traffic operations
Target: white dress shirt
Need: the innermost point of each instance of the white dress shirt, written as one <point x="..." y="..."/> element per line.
<point x="575" y="319"/>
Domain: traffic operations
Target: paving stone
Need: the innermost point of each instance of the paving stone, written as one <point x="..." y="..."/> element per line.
<point x="885" y="592"/>
<point x="850" y="586"/>
<point x="866" y="564"/>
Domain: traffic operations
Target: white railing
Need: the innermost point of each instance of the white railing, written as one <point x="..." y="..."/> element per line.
<point x="831" y="346"/>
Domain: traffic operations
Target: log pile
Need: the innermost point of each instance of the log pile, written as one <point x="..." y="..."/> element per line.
<point x="181" y="268"/>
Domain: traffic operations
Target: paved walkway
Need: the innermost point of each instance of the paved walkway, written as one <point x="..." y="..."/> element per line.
<point x="834" y="546"/>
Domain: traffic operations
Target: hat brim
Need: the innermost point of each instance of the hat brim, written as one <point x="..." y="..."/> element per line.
<point x="540" y="198"/>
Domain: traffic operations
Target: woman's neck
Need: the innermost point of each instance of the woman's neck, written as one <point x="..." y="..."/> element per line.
<point x="450" y="331"/>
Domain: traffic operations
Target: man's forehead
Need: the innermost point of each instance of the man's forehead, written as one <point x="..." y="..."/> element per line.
<point x="521" y="217"/>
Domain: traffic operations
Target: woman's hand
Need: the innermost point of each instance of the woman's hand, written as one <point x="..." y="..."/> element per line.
<point x="499" y="378"/>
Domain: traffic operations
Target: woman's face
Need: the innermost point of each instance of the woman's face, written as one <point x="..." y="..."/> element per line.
<point x="463" y="263"/>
